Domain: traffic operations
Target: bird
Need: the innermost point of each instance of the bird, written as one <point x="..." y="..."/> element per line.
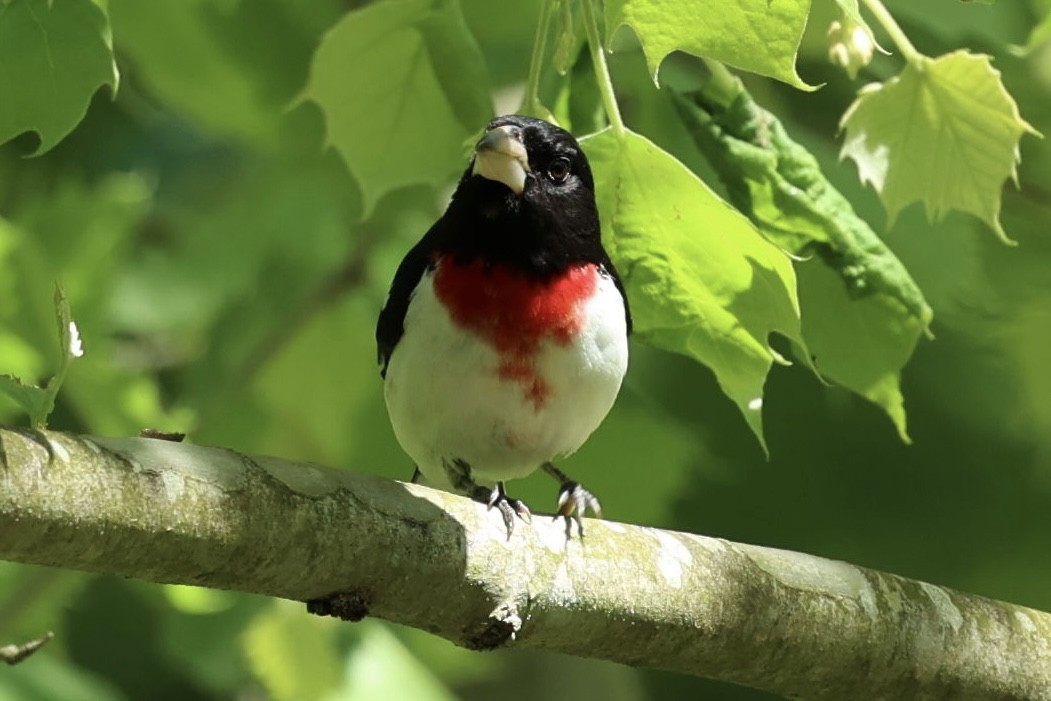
<point x="503" y="341"/>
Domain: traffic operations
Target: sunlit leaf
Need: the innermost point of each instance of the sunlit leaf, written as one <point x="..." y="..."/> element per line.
<point x="944" y="132"/>
<point x="53" y="57"/>
<point x="861" y="343"/>
<point x="402" y="86"/>
<point x="1040" y="34"/>
<point x="754" y="35"/>
<point x="249" y="59"/>
<point x="701" y="280"/>
<point x="199" y="600"/>
<point x="31" y="399"/>
<point x="780" y="186"/>
<point x="205" y="83"/>
<point x="381" y="667"/>
<point x="293" y="654"/>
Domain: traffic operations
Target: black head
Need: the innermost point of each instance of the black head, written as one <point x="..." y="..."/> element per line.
<point x="554" y="165"/>
<point x="527" y="199"/>
<point x="527" y="202"/>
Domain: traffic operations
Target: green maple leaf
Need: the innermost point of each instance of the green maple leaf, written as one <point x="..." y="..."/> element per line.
<point x="211" y="84"/>
<point x="860" y="343"/>
<point x="862" y="313"/>
<point x="754" y="35"/>
<point x="1040" y="34"/>
<point x="701" y="280"/>
<point x="311" y="669"/>
<point x="402" y="86"/>
<point x="53" y="57"/>
<point x="944" y="132"/>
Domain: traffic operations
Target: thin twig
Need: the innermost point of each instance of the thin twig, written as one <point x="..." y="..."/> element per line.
<point x="13" y="654"/>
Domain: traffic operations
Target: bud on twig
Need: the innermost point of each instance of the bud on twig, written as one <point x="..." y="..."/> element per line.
<point x="850" y="46"/>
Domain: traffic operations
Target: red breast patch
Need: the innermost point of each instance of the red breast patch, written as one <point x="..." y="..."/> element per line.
<point x="514" y="313"/>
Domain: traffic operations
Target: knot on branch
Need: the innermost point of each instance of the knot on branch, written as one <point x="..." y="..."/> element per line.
<point x="499" y="629"/>
<point x="347" y="606"/>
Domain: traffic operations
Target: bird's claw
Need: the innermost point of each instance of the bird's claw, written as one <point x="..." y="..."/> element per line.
<point x="509" y="508"/>
<point x="574" y="502"/>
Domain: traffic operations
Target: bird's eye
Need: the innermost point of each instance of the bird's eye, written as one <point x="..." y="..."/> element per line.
<point x="559" y="169"/>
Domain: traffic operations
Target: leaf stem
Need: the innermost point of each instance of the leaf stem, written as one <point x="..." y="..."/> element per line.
<point x="598" y="61"/>
<point x="891" y="26"/>
<point x="531" y="101"/>
<point x="724" y="86"/>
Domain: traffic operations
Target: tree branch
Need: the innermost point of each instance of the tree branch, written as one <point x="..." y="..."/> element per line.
<point x="785" y="622"/>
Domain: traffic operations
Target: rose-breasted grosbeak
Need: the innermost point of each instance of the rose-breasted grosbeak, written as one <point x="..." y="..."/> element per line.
<point x="504" y="339"/>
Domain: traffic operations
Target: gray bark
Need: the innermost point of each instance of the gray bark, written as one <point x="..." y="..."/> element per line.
<point x="794" y="624"/>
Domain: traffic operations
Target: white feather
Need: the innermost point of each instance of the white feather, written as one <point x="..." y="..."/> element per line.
<point x="447" y="400"/>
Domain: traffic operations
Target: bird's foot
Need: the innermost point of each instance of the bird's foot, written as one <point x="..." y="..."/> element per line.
<point x="574" y="502"/>
<point x="509" y="508"/>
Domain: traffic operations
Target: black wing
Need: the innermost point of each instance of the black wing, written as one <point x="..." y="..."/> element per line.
<point x="607" y="265"/>
<point x="391" y="323"/>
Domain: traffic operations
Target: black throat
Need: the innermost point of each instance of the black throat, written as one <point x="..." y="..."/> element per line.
<point x="527" y="233"/>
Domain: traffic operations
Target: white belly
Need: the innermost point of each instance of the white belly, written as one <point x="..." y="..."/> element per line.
<point x="451" y="395"/>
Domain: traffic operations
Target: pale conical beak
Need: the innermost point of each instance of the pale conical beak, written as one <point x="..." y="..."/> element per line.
<point x="501" y="156"/>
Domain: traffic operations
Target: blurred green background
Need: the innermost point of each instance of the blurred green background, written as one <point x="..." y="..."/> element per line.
<point x="226" y="284"/>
